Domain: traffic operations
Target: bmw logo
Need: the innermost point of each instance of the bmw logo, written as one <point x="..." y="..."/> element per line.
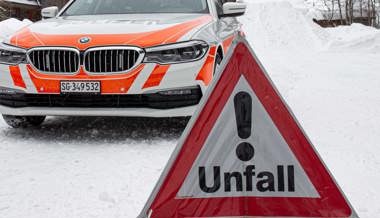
<point x="84" y="40"/>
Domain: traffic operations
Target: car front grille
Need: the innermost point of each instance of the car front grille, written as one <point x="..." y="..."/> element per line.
<point x="111" y="59"/>
<point x="100" y="60"/>
<point x="55" y="60"/>
<point x="153" y="100"/>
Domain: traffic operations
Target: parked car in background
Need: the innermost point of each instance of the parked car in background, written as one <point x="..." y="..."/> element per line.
<point x="150" y="58"/>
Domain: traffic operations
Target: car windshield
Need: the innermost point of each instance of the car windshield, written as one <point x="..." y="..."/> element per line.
<point x="98" y="7"/>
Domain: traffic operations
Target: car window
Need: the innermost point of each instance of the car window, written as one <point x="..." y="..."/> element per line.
<point x="98" y="7"/>
<point x="219" y="6"/>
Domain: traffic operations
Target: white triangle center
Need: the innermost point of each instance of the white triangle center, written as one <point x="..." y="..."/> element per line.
<point x="274" y="171"/>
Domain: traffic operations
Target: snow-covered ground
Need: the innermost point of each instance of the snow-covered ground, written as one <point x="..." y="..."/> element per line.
<point x="106" y="167"/>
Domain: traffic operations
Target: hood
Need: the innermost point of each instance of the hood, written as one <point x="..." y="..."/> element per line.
<point x="139" y="30"/>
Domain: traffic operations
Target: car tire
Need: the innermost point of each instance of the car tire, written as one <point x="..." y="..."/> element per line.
<point x="23" y="121"/>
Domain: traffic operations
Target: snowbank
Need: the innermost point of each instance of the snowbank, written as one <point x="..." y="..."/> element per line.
<point x="356" y="36"/>
<point x="10" y="26"/>
<point x="280" y="25"/>
<point x="288" y="25"/>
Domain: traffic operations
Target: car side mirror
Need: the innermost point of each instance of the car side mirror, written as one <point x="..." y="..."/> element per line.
<point x="234" y="9"/>
<point x="49" y="12"/>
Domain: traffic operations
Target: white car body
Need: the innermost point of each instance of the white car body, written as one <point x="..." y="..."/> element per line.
<point x="137" y="30"/>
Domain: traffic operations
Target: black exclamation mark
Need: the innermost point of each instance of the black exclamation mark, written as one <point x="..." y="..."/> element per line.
<point x="243" y="112"/>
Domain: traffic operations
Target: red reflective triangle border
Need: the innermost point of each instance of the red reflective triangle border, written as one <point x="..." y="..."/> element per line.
<point x="332" y="203"/>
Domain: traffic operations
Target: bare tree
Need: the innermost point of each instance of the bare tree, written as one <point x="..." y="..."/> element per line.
<point x="377" y="11"/>
<point x="331" y="10"/>
<point x="340" y="11"/>
<point x="349" y="6"/>
<point x="361" y="7"/>
<point x="371" y="12"/>
<point x="350" y="11"/>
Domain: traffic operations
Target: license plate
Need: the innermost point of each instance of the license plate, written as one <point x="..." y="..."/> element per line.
<point x="80" y="87"/>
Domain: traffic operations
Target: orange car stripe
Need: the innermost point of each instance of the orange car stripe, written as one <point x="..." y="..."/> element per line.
<point x="227" y="43"/>
<point x="185" y="30"/>
<point x="112" y="84"/>
<point x="16" y="76"/>
<point x="169" y="35"/>
<point x="26" y="39"/>
<point x="206" y="73"/>
<point x="118" y="86"/>
<point x="156" y="76"/>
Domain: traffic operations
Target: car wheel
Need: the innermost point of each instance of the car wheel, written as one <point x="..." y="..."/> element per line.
<point x="23" y="121"/>
<point x="218" y="62"/>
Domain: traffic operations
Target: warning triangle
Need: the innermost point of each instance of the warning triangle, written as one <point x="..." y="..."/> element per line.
<point x="244" y="155"/>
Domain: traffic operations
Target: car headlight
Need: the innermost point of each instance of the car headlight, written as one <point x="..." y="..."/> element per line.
<point x="176" y="53"/>
<point x="12" y="55"/>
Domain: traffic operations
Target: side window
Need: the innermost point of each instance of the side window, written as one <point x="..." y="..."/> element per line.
<point x="219" y="6"/>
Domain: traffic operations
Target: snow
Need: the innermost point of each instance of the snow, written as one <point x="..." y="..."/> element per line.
<point x="279" y="25"/>
<point x="83" y="167"/>
<point x="106" y="167"/>
<point x="9" y="26"/>
<point x="355" y="37"/>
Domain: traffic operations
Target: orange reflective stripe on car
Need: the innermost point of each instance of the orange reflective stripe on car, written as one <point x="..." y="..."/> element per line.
<point x="120" y="86"/>
<point x="185" y="29"/>
<point x="169" y="35"/>
<point x="206" y="73"/>
<point x="227" y="43"/>
<point x="156" y="76"/>
<point x="16" y="76"/>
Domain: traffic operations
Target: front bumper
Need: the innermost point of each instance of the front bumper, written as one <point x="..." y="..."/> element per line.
<point x="160" y="104"/>
<point x="112" y="112"/>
